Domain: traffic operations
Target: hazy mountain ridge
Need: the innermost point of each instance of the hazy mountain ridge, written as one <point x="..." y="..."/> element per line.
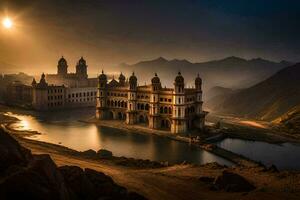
<point x="266" y="100"/>
<point x="231" y="72"/>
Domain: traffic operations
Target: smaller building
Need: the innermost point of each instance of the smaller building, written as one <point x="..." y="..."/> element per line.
<point x="18" y="93"/>
<point x="53" y="97"/>
<point x="47" y="97"/>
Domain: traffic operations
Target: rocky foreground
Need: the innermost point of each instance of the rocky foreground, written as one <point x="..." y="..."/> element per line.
<point x="28" y="176"/>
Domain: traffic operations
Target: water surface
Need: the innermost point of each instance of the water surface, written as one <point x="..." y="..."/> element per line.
<point x="64" y="128"/>
<point x="284" y="156"/>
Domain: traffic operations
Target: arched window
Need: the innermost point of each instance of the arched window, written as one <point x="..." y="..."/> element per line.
<point x="122" y="104"/>
<point x="170" y="110"/>
<point x="138" y="106"/>
<point x="165" y="110"/>
<point x="142" y="107"/>
<point x="119" y="104"/>
<point x="147" y="107"/>
<point x="179" y="112"/>
<point x="161" y="109"/>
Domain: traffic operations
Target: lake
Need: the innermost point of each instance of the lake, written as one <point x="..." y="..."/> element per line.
<point x="284" y="156"/>
<point x="65" y="128"/>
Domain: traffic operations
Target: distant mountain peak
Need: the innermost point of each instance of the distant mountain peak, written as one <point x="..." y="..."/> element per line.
<point x="234" y="58"/>
<point x="160" y="59"/>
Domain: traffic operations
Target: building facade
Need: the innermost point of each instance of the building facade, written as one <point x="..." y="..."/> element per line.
<point x="73" y="80"/>
<point x="65" y="90"/>
<point x="176" y="109"/>
<point x="18" y="93"/>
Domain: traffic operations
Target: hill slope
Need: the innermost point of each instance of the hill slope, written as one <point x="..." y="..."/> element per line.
<point x="231" y="72"/>
<point x="267" y="100"/>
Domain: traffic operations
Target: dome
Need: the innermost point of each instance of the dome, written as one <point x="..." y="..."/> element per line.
<point x="198" y="80"/>
<point x="179" y="78"/>
<point x="102" y="76"/>
<point x="155" y="79"/>
<point x="122" y="77"/>
<point x="132" y="78"/>
<point x="82" y="61"/>
<point x="33" y="82"/>
<point x="62" y="60"/>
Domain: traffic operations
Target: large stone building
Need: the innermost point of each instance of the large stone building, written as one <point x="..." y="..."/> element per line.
<point x="77" y="79"/>
<point x="175" y="109"/>
<point x="65" y="90"/>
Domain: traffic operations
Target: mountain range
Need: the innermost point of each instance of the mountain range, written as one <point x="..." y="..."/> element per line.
<point x="231" y="72"/>
<point x="271" y="99"/>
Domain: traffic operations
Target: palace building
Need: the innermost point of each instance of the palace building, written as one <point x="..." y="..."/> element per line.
<point x="77" y="79"/>
<point x="176" y="109"/>
<point x="65" y="90"/>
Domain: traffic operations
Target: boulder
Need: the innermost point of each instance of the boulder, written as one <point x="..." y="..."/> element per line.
<point x="11" y="152"/>
<point x="232" y="182"/>
<point x="103" y="153"/>
<point x="39" y="180"/>
<point x="27" y="176"/>
<point x="79" y="187"/>
<point x="89" y="153"/>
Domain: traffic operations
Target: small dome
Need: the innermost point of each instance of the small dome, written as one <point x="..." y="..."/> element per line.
<point x="155" y="79"/>
<point x="132" y="78"/>
<point x="62" y="60"/>
<point x="82" y="61"/>
<point x="33" y="82"/>
<point x="179" y="78"/>
<point x="102" y="76"/>
<point x="198" y="80"/>
<point x="122" y="77"/>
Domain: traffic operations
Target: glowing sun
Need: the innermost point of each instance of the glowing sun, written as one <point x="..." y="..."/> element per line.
<point x="7" y="23"/>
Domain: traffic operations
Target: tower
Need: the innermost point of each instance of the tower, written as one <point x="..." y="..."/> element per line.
<point x="101" y="112"/>
<point x="122" y="80"/>
<point x="199" y="121"/>
<point x="154" y="102"/>
<point x="40" y="94"/>
<point x="62" y="67"/>
<point x="178" y="116"/>
<point x="131" y="117"/>
<point x="81" y="69"/>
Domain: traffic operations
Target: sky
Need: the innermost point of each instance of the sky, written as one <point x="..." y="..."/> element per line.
<point x="108" y="33"/>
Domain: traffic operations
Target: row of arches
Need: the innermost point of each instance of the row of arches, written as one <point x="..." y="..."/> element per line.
<point x="165" y="110"/>
<point x="141" y="106"/>
<point x="116" y="115"/>
<point x="118" y="104"/>
<point x="190" y="110"/>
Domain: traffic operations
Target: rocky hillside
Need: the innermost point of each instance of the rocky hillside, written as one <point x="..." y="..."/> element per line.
<point x="290" y="121"/>
<point x="27" y="176"/>
<point x="231" y="72"/>
<point x="266" y="100"/>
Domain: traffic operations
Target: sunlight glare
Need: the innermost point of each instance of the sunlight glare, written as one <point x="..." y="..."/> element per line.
<point x="7" y="23"/>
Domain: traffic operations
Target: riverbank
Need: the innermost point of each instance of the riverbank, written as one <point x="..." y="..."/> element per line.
<point x="137" y="129"/>
<point x="159" y="182"/>
<point x="252" y="130"/>
<point x="202" y="143"/>
<point x="189" y="180"/>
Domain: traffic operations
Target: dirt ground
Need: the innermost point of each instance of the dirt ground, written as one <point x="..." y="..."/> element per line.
<point x="179" y="181"/>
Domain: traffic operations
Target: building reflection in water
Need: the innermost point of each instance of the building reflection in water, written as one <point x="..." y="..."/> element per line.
<point x="65" y="129"/>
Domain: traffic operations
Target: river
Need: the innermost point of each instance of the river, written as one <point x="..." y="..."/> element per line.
<point x="284" y="156"/>
<point x="65" y="128"/>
